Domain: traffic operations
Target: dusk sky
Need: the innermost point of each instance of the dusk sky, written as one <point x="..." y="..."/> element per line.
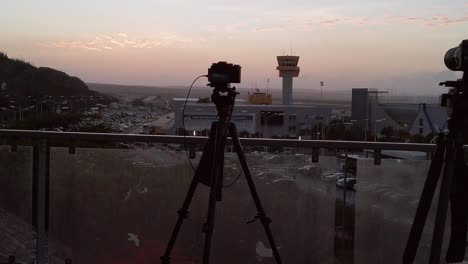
<point x="396" y="45"/>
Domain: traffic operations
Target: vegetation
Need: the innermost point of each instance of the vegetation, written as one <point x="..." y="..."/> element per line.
<point x="137" y="102"/>
<point x="24" y="79"/>
<point x="338" y="130"/>
<point x="66" y="122"/>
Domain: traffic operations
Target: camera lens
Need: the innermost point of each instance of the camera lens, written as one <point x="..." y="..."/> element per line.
<point x="452" y="58"/>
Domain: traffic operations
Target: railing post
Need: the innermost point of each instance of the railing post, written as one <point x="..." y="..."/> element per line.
<point x="377" y="156"/>
<point x="315" y="155"/>
<point x="40" y="197"/>
<point x="193" y="152"/>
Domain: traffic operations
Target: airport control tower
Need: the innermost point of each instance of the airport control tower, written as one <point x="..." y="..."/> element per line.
<point x="287" y="67"/>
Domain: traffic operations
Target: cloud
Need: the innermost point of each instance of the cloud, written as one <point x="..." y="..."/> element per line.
<point x="122" y="40"/>
<point x="332" y="21"/>
<point x="308" y="24"/>
<point x="269" y="29"/>
<point x="431" y="21"/>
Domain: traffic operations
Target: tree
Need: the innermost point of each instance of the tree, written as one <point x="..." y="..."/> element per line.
<point x="355" y="133"/>
<point x="244" y="134"/>
<point x="336" y="131"/>
<point x="137" y="102"/>
<point x="387" y="133"/>
<point x="403" y="135"/>
<point x="417" y="138"/>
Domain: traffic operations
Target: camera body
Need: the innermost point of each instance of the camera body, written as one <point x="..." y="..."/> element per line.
<point x="223" y="73"/>
<point x="456" y="59"/>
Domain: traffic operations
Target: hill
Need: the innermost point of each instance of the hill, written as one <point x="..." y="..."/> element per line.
<point x="23" y="79"/>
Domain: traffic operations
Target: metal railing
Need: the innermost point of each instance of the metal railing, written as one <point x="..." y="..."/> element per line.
<point x="110" y="137"/>
<point x="42" y="141"/>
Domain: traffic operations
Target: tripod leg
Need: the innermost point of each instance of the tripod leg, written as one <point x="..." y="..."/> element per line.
<point x="439" y="227"/>
<point x="261" y="212"/>
<point x="216" y="179"/>
<point x="459" y="212"/>
<point x="424" y="205"/>
<point x="183" y="213"/>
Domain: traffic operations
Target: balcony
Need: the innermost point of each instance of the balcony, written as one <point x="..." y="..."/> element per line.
<point x="82" y="197"/>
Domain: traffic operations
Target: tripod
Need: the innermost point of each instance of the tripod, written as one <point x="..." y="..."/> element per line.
<point x="210" y="173"/>
<point x="449" y="155"/>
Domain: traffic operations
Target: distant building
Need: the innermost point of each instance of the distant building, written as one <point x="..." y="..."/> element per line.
<point x="263" y="120"/>
<point x="430" y="119"/>
<point x="260" y="98"/>
<point x="368" y="112"/>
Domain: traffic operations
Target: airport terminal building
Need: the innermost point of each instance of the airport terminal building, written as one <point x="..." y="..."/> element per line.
<point x="262" y="120"/>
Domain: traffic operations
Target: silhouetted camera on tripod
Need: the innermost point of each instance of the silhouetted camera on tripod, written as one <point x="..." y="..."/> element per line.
<point x="211" y="166"/>
<point x="448" y="160"/>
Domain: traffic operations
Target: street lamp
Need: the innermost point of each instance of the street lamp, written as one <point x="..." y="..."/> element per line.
<point x="321" y="87"/>
<point x="375" y="127"/>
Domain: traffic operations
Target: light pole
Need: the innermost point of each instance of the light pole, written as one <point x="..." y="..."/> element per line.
<point x="321" y="88"/>
<point x="375" y="127"/>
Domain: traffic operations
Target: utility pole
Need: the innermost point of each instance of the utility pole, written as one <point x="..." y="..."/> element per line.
<point x="321" y="90"/>
<point x="268" y="82"/>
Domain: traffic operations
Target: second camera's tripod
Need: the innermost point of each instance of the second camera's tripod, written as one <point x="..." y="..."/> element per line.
<point x="210" y="173"/>
<point x="449" y="159"/>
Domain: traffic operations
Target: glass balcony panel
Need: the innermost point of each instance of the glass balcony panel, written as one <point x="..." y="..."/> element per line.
<point x="16" y="230"/>
<point x="387" y="196"/>
<point x="112" y="206"/>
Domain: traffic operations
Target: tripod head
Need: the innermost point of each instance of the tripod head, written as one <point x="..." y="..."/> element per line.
<point x="220" y="76"/>
<point x="456" y="59"/>
<point x="456" y="102"/>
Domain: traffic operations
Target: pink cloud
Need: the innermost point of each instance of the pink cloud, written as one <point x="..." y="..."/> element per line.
<point x="270" y="29"/>
<point x="121" y="40"/>
<point x="364" y="21"/>
<point x="430" y="21"/>
<point x="332" y="21"/>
